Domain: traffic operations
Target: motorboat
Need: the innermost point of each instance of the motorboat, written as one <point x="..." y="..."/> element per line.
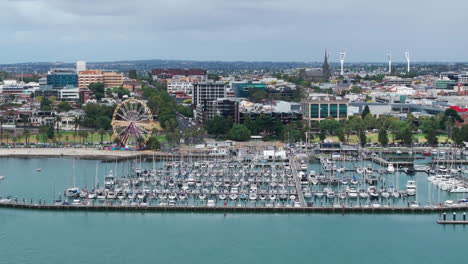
<point x="390" y="168"/>
<point x="72" y="192"/>
<point x="352" y="193"/>
<point x="411" y="188"/>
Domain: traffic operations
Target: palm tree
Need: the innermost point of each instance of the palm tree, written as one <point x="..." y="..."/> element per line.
<point x="101" y="133"/>
<point x="57" y="122"/>
<point x="26" y="135"/>
<point x="76" y="124"/>
<point x="83" y="135"/>
<point x="2" y="120"/>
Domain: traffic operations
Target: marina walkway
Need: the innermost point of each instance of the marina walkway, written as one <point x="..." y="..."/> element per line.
<point x="226" y="209"/>
<point x="296" y="168"/>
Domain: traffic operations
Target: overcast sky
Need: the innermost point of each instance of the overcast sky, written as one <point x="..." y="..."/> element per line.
<point x="251" y="30"/>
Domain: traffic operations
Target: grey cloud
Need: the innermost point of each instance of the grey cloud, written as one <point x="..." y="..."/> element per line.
<point x="234" y="30"/>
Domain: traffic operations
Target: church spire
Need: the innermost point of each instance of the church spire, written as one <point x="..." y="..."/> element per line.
<point x="326" y="68"/>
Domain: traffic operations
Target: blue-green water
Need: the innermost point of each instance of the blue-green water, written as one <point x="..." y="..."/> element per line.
<point x="78" y="237"/>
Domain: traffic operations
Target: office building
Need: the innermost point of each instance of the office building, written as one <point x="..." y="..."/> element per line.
<point x="59" y="78"/>
<point x="109" y="79"/>
<point x="204" y="95"/>
<point x="318" y="107"/>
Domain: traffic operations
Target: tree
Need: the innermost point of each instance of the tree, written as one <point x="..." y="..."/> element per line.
<point x="457" y="136"/>
<point x="329" y="126"/>
<point x="26" y="134"/>
<point x="362" y="138"/>
<point x="365" y="112"/>
<point x="76" y="124"/>
<point x="64" y="107"/>
<point x="84" y="136"/>
<point x="257" y="95"/>
<point x="383" y="137"/>
<point x="405" y="135"/>
<point x="97" y="89"/>
<point x="322" y="135"/>
<point x="217" y="126"/>
<point x="132" y="74"/>
<point x="239" y="132"/>
<point x="431" y="138"/>
<point x="46" y="105"/>
<point x="153" y="143"/>
<point x="101" y="133"/>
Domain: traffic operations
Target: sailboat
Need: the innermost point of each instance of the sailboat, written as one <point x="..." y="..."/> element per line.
<point x="74" y="191"/>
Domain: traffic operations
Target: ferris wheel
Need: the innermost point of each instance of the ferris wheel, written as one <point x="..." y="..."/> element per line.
<point x="133" y="122"/>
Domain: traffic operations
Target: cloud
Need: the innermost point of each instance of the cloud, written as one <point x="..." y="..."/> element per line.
<point x="232" y="30"/>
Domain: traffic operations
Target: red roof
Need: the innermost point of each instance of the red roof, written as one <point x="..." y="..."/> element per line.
<point x="459" y="109"/>
<point x="186" y="72"/>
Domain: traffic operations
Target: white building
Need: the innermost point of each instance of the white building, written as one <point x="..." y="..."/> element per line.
<point x="177" y="85"/>
<point x="72" y="94"/>
<point x="80" y="66"/>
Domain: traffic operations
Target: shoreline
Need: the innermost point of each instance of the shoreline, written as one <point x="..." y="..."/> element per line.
<point x="91" y="153"/>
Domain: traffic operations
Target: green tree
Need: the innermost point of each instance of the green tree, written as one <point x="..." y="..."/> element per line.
<point x="153" y="143"/>
<point x="457" y="136"/>
<point x="431" y="137"/>
<point x="239" y="132"/>
<point x="365" y="112"/>
<point x="362" y="138"/>
<point x="46" y="105"/>
<point x="383" y="137"/>
<point x="26" y="134"/>
<point x="101" y="133"/>
<point x="64" y="106"/>
<point x="132" y="74"/>
<point x="217" y="126"/>
<point x="257" y="95"/>
<point x="97" y="89"/>
<point x="405" y="135"/>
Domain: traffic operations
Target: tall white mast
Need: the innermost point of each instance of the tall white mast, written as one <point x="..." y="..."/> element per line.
<point x="389" y="55"/>
<point x="407" y="55"/>
<point x="342" y="58"/>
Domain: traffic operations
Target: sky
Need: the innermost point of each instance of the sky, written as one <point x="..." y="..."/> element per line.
<point x="232" y="30"/>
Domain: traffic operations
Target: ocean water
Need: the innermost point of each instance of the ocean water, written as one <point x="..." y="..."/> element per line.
<point x="60" y="237"/>
<point x="96" y="237"/>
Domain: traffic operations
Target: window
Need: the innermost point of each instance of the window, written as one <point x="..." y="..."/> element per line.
<point x="334" y="110"/>
<point x="324" y="110"/>
<point x="343" y="111"/>
<point x="314" y="111"/>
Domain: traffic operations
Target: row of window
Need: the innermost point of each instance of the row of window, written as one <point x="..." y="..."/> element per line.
<point x="326" y="110"/>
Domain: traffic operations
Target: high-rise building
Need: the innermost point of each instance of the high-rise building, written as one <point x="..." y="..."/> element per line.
<point x="80" y="66"/>
<point x="59" y="78"/>
<point x="204" y="95"/>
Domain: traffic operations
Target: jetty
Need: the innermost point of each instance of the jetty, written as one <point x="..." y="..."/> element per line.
<point x="233" y="209"/>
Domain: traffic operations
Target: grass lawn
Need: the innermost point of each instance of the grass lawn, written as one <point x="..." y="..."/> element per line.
<point x="67" y="137"/>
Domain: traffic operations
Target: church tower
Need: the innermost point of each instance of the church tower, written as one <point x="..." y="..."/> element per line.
<point x="326" y="68"/>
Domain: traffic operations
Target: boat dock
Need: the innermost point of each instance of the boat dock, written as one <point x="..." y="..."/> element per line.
<point x="229" y="209"/>
<point x="445" y="161"/>
<point x="384" y="162"/>
<point x="296" y="168"/>
<point x="454" y="220"/>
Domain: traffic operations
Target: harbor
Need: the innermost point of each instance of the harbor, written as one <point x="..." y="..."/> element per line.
<point x="253" y="179"/>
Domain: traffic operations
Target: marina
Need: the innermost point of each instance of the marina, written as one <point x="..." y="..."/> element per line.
<point x="265" y="180"/>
